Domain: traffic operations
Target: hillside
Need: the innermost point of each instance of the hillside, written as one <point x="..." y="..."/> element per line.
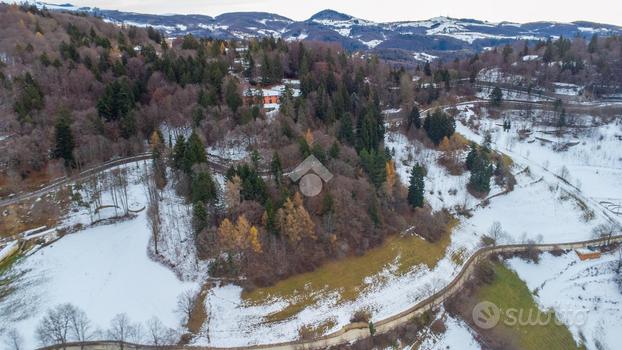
<point x="440" y="36"/>
<point x="191" y="190"/>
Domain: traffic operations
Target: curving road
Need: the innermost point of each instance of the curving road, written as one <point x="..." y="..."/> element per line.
<point x="216" y="163"/>
<point x="358" y="331"/>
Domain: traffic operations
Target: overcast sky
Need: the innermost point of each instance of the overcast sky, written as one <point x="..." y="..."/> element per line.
<point x="605" y="11"/>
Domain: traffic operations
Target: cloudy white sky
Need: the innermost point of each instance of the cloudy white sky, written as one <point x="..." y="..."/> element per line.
<point x="605" y="11"/>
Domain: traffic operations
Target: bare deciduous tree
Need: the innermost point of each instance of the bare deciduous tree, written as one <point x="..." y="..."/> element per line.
<point x="54" y="327"/>
<point x="63" y="323"/>
<point x="186" y="302"/>
<point x="13" y="340"/>
<point x="80" y="325"/>
<point x="606" y="230"/>
<point x="120" y="328"/>
<point x="159" y="334"/>
<point x="495" y="232"/>
<point x="153" y="207"/>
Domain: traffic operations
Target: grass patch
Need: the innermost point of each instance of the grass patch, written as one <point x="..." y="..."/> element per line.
<point x="458" y="256"/>
<point x="349" y="277"/>
<point x="308" y="332"/>
<point x="34" y="212"/>
<point x="508" y="291"/>
<point x="199" y="315"/>
<point x="7" y="277"/>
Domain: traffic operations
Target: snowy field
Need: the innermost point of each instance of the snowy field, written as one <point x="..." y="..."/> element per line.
<point x="591" y="163"/>
<point x="234" y="322"/>
<point x="584" y="295"/>
<point x="457" y="336"/>
<point x="442" y="189"/>
<point x="103" y="270"/>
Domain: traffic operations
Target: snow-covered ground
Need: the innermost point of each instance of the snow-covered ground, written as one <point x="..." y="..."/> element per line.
<point x="231" y="148"/>
<point x="176" y="244"/>
<point x="425" y="57"/>
<point x="584" y="295"/>
<point x="514" y="95"/>
<point x="442" y="189"/>
<point x="457" y="336"/>
<point x="592" y="161"/>
<point x="568" y="89"/>
<point x="104" y="270"/>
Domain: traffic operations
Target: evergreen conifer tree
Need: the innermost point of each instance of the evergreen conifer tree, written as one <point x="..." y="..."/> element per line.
<point x="64" y="141"/>
<point x="416" y="187"/>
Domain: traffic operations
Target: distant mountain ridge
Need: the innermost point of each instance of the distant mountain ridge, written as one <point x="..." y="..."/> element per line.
<point x="415" y="39"/>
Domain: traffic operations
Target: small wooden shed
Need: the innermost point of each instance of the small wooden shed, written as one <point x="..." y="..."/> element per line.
<point x="587" y="254"/>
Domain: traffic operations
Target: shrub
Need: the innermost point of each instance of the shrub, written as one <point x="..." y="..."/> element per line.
<point x="361" y="315"/>
<point x="484" y="273"/>
<point x="431" y="226"/>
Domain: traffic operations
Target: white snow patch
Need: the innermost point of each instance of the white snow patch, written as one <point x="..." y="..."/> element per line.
<point x="584" y="294"/>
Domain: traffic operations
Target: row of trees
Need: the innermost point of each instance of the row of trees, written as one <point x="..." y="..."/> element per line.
<point x="66" y="323"/>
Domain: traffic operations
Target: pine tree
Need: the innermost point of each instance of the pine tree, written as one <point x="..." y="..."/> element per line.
<point x="127" y="125"/>
<point x="593" y="45"/>
<point x="253" y="186"/>
<point x="506" y="52"/>
<point x="199" y="217"/>
<point x="30" y="99"/>
<point x="232" y="95"/>
<point x="346" y="134"/>
<point x="204" y="188"/>
<point x="547" y="57"/>
<point x="373" y="212"/>
<point x="334" y="150"/>
<point x="116" y="101"/>
<point x="64" y="141"/>
<point x="414" y="118"/>
<point x="471" y="157"/>
<point x="481" y="169"/>
<point x="269" y="219"/>
<point x="416" y="187"/>
<point x="157" y="155"/>
<point x="439" y="125"/>
<point x="179" y="152"/>
<point x="194" y="153"/>
<point x="255" y="159"/>
<point x="266" y="70"/>
<point x="276" y="168"/>
<point x="496" y="97"/>
<point x="427" y="70"/>
<point x="374" y="165"/>
<point x="197" y="116"/>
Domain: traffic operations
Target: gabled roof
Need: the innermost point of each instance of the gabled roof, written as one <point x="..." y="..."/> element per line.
<point x="311" y="163"/>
